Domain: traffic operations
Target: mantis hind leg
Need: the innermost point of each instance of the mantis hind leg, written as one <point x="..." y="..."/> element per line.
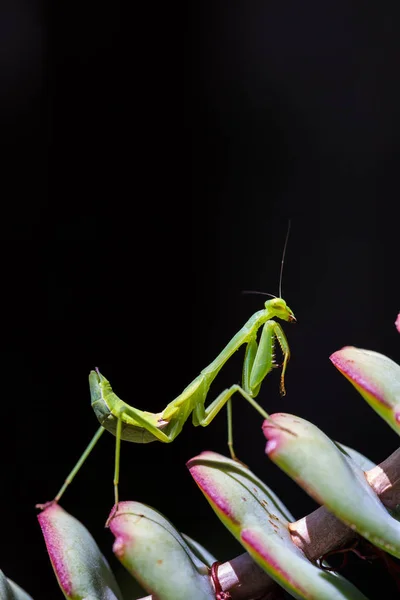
<point x="148" y="426"/>
<point x="76" y="468"/>
<point x="80" y="462"/>
<point x="117" y="460"/>
<point x="116" y="468"/>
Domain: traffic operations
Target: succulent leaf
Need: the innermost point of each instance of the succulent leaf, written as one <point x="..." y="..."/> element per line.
<point x="309" y="457"/>
<point x="202" y="553"/>
<point x="10" y="590"/>
<point x="156" y="554"/>
<point x="248" y="508"/>
<point x="376" y="377"/>
<point x="81" y="570"/>
<point x="362" y="461"/>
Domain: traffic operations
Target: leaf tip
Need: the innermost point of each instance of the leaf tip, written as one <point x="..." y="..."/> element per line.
<point x="48" y="521"/>
<point x="276" y="433"/>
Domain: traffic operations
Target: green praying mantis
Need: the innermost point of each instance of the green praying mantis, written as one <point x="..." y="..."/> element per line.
<point x="134" y="425"/>
<point x="128" y="423"/>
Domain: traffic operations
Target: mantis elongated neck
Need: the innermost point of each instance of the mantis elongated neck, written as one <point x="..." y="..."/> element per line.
<point x="245" y="334"/>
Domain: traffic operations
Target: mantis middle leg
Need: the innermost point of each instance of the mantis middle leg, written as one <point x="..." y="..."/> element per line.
<point x="259" y="361"/>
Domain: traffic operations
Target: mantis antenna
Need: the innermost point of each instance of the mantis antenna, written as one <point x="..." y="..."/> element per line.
<point x="256" y="292"/>
<point x="283" y="260"/>
<point x="280" y="274"/>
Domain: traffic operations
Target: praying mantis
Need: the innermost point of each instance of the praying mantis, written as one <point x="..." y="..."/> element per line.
<point x="128" y="423"/>
<point x="131" y="424"/>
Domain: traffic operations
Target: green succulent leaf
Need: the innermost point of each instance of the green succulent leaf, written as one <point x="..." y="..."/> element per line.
<point x="376" y="377"/>
<point x="10" y="590"/>
<point x="81" y="570"/>
<point x="202" y="553"/>
<point x="309" y="457"/>
<point x="362" y="461"/>
<point x="251" y="512"/>
<point x="156" y="554"/>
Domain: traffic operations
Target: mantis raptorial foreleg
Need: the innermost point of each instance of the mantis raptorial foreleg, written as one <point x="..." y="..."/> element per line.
<point x="260" y="359"/>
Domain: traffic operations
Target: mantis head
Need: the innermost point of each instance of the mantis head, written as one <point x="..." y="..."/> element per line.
<point x="280" y="309"/>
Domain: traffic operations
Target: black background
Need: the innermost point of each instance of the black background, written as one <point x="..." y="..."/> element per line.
<point x="140" y="196"/>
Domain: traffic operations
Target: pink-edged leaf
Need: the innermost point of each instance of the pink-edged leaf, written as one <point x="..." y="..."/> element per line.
<point x="81" y="570"/>
<point x="259" y="521"/>
<point x="332" y="478"/>
<point x="157" y="555"/>
<point x="376" y="377"/>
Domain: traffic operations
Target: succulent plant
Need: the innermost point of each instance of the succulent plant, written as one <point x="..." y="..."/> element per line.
<point x="358" y="513"/>
<point x="10" y="590"/>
